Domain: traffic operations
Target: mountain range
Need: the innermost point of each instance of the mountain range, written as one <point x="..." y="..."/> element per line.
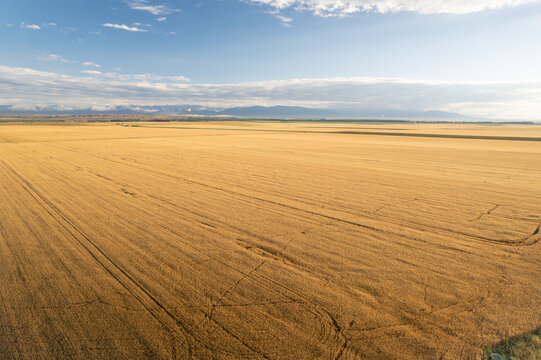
<point x="275" y="112"/>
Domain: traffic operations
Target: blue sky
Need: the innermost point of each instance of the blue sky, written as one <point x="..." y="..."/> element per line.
<point x="479" y="58"/>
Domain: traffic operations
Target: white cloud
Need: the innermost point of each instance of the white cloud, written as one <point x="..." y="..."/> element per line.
<point x="504" y="100"/>
<point x="327" y="8"/>
<point x="153" y="9"/>
<point x="48" y="24"/>
<point x="30" y="26"/>
<point x="145" y="77"/>
<point x="286" y="21"/>
<point x="90" y="63"/>
<point x="124" y="27"/>
<point x="53" y="57"/>
<point x="67" y="30"/>
<point x="178" y="78"/>
<point x="91" y="72"/>
<point x="160" y="19"/>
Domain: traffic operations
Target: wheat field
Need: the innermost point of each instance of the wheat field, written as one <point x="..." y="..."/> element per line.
<point x="258" y="240"/>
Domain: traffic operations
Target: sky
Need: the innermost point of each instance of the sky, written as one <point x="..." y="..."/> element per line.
<point x="478" y="58"/>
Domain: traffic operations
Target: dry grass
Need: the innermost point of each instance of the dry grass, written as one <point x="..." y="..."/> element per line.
<point x="263" y="241"/>
<point x="527" y="347"/>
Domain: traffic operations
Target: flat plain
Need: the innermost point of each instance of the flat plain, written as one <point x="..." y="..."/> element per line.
<point x="247" y="240"/>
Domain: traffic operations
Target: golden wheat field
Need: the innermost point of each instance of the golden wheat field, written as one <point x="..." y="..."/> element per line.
<point x="247" y="240"/>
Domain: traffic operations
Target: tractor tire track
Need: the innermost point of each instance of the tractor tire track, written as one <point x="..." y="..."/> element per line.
<point x="418" y="226"/>
<point x="129" y="281"/>
<point x="157" y="310"/>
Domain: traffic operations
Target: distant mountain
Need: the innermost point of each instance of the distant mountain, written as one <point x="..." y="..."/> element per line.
<point x="303" y="112"/>
<point x="279" y="112"/>
<point x="269" y="112"/>
<point x="400" y="114"/>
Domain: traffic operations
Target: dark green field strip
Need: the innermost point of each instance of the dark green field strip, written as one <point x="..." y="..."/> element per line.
<point x="380" y="133"/>
<point x="445" y="136"/>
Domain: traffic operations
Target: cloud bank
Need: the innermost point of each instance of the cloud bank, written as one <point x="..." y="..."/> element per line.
<point x="326" y="8"/>
<point x="24" y="88"/>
